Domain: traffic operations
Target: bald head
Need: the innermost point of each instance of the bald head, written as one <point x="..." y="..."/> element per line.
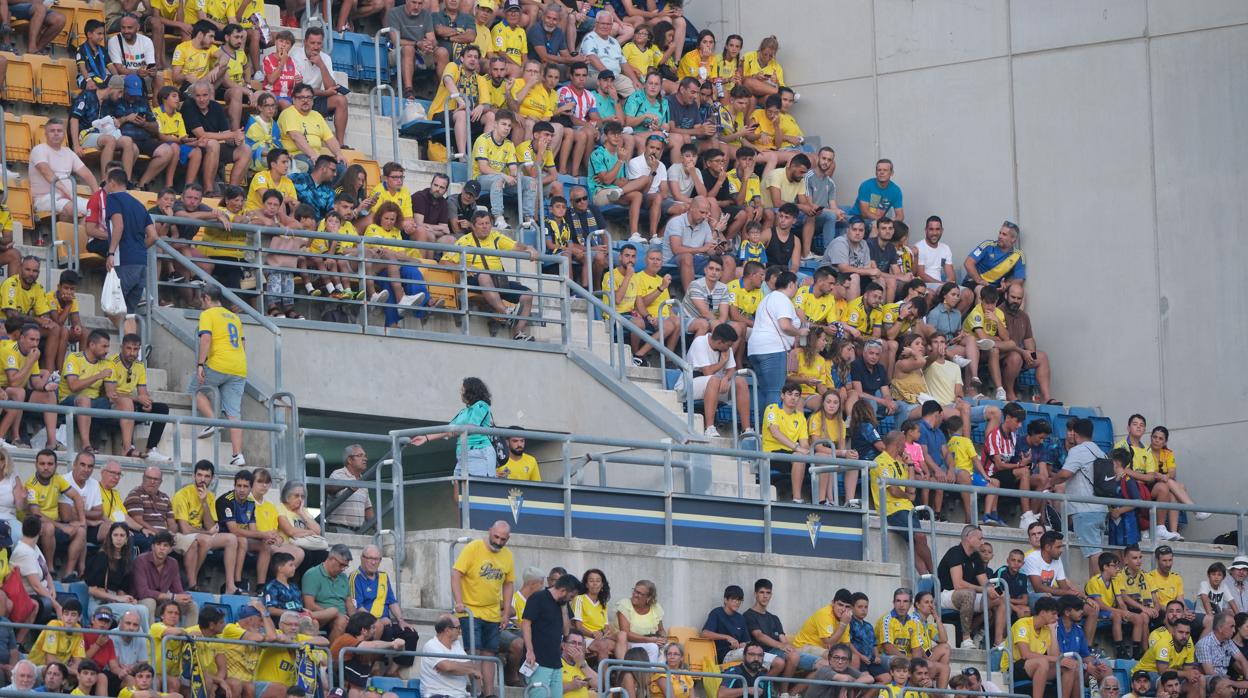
<point x="498" y="535"/>
<point x="152" y="479"/>
<point x="893" y="442"/>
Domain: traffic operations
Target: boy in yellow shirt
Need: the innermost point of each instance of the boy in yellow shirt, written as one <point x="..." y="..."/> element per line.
<point x="785" y="431"/>
<point x="58" y="645"/>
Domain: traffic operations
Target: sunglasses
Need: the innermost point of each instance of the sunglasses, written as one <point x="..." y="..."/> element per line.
<point x="579" y="199"/>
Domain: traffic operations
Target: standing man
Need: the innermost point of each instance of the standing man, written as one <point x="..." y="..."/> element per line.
<point x="357" y="508"/>
<point x="129" y="248"/>
<point x="313" y="66"/>
<point x="222" y="364"/>
<point x="877" y="197"/>
<point x="372" y="591"/>
<point x="543" y="626"/>
<point x="44" y="490"/>
<point x="483" y="580"/>
<point x="1087" y="519"/>
<point x="820" y="209"/>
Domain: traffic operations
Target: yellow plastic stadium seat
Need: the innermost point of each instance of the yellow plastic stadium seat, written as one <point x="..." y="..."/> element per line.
<point x="63" y="39"/>
<point x="700" y="653"/>
<point x="83" y="13"/>
<point x="18" y="138"/>
<point x="682" y="634"/>
<point x="19" y="78"/>
<point x="371" y="168"/>
<point x="36" y="123"/>
<point x="20" y="205"/>
<point x="65" y="234"/>
<point x="55" y="80"/>
<point x="147" y="198"/>
<point x="211" y="202"/>
<point x="447" y="294"/>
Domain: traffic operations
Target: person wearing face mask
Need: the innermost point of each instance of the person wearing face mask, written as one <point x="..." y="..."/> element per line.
<point x="1018" y="326"/>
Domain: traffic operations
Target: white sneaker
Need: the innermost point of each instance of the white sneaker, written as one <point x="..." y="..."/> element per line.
<point x="711" y="432"/>
<point x="501" y="223"/>
<point x="636" y="239"/>
<point x="1000" y="393"/>
<point x="378" y="296"/>
<point x="238" y="460"/>
<point x="961" y="361"/>
<point x="412" y="299"/>
<point x="1027" y="519"/>
<point x="157" y="457"/>
<point x="1164" y="533"/>
<point x="984" y="344"/>
<point x="206" y="432"/>
<point x="969" y="644"/>
<point x="854" y="504"/>
<point x="529" y="223"/>
<point x="1202" y="515"/>
<point x="613" y="194"/>
<point x="656" y="240"/>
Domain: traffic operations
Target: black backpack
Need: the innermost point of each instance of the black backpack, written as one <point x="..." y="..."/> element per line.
<point x="1104" y="481"/>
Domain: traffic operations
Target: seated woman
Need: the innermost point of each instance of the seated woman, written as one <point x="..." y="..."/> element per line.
<point x="672" y="685"/>
<point x="827" y="424"/>
<point x="109" y="579"/>
<point x="388" y="260"/>
<point x="640" y="620"/>
<point x="960" y="348"/>
<point x="1167" y="488"/>
<point x="762" y="73"/>
<point x="809" y="368"/>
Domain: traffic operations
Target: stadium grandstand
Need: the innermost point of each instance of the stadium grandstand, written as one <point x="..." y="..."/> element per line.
<point x="354" y="347"/>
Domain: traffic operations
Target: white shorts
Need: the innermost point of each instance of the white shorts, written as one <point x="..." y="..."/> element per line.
<point x="946" y="599"/>
<point x="699" y="386"/>
<point x="182" y="542"/>
<point x="43" y="204"/>
<point x="652" y="650"/>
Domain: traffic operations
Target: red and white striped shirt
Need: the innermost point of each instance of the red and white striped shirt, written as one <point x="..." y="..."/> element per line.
<point x="998" y="443"/>
<point x="584" y="103"/>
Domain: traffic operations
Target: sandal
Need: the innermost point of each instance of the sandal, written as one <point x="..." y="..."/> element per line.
<point x="293" y="315"/>
<point x="130" y="452"/>
<point x="1053" y="402"/>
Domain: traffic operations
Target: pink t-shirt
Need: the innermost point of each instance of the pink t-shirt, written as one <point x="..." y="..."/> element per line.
<point x="63" y="162"/>
<point x="916" y="455"/>
<point x="286" y="79"/>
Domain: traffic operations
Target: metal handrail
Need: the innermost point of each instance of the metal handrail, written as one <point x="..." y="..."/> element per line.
<point x="164" y="246"/>
<point x="764" y="679"/>
<point x="341" y="658"/>
<point x="381" y="87"/>
<point x="218" y="640"/>
<point x="74" y="259"/>
<point x="607" y="666"/>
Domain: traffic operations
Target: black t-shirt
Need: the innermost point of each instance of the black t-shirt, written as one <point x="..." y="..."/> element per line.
<point x="683" y="116"/>
<point x="872" y="380"/>
<point x="781" y="251"/>
<point x="884" y="256"/>
<point x="740" y="670"/>
<point x="972" y="566"/>
<point x="768" y="623"/>
<point x="718" y="621"/>
<point x="546" y="616"/>
<point x="215" y="121"/>
<point x="105" y="575"/>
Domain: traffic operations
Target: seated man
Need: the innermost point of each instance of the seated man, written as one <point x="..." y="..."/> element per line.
<point x="714" y="367"/>
<point x="992" y="264"/>
<point x="236" y="513"/>
<point x="536" y="158"/>
<point x="487" y="273"/>
<point x="371" y="590"/>
<point x="1036" y="651"/>
<point x="1026" y="356"/>
<point x="900" y="632"/>
<point x="197" y="58"/>
<point x="1072" y="640"/>
<point x="63" y="525"/>
<point x="89" y="106"/>
<point x="1174" y="651"/>
<point x="326" y="589"/>
<point x="460" y="91"/>
<point x="207" y="121"/>
<point x="1002" y="458"/>
<point x="706" y="301"/>
<point x="52" y="163"/>
<point x="194" y="511"/>
<point x="23" y="300"/>
<point x="431" y="209"/>
<point x="45" y="23"/>
<point x="305" y="133"/>
<point x="494" y="164"/>
<point x="878" y="196"/>
<point x="851" y="257"/>
<point x="63" y="311"/>
<point x="449" y="677"/>
<point x="690" y="239"/>
<point x="648" y="165"/>
<point x="608" y="179"/>
<point x="314" y="69"/>
<point x="82" y="382"/>
<point x="581" y="122"/>
<point x="157" y="582"/>
<point x="414" y="25"/>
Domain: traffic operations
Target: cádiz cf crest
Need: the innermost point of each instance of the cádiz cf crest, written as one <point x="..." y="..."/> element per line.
<point x="812" y="528"/>
<point x="515" y="500"/>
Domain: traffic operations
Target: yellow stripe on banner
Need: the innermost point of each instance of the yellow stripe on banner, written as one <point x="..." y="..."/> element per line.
<point x="640" y="513"/>
<point x="725" y="520"/>
<point x="528" y="503"/>
<point x="802" y="527"/>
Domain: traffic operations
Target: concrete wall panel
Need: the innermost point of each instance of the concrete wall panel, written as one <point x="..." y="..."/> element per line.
<point x="918" y="35"/>
<point x="1199" y="121"/>
<point x="839" y="31"/>
<point x="1085" y="196"/>
<point x="944" y="128"/>
<point x="1168" y="16"/>
<point x="842" y="114"/>
<point x="1036" y="26"/>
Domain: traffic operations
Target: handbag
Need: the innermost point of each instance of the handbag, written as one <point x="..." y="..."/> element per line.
<point x="313" y="542"/>
<point x="112" y="300"/>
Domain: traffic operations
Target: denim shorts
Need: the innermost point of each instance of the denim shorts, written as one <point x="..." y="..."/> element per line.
<point x="898" y="520"/>
<point x="478" y="462"/>
<point x="485" y="634"/>
<point x="1089" y="530"/>
<point x="229" y="385"/>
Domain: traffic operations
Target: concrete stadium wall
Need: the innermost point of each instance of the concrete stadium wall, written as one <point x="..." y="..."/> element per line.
<point x="1111" y="130"/>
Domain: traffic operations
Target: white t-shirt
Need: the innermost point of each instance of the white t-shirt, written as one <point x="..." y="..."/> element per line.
<point x="700" y="355"/>
<point x="62" y="161"/>
<point x="766" y="337"/>
<point x="309" y="73"/>
<point x="28" y="560"/>
<point x="90" y="493"/>
<point x="1219" y="599"/>
<point x="433" y="682"/>
<point x="1050" y="572"/>
<point x="637" y="168"/>
<point x="8" y="507"/>
<point x="934" y="259"/>
<point x="682" y="180"/>
<point x="140" y="54"/>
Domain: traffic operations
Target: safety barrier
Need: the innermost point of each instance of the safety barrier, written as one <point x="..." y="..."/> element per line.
<point x="340" y="660"/>
<point x="608" y="666"/>
<point x="193" y="639"/>
<point x="762" y="681"/>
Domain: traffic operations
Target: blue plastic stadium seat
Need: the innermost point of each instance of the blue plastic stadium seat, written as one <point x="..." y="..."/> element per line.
<point x="77" y="589"/>
<point x="343" y="55"/>
<point x="614" y="213"/>
<point x="1102" y="430"/>
<point x="926" y="583"/>
<point x="203" y="598"/>
<point x="987" y="402"/>
<point x="235" y="602"/>
<point x="1051" y="410"/>
<point x="1026" y="379"/>
<point x="386" y="683"/>
<point x="670" y="376"/>
<point x="1059" y="424"/>
<point x="1089" y="412"/>
<point x="1035" y="416"/>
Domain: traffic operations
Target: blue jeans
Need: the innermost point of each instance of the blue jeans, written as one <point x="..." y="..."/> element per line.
<point x="770" y="371"/>
<point x="550" y="679"/>
<point x="413" y="283"/>
<point x="497" y="188"/>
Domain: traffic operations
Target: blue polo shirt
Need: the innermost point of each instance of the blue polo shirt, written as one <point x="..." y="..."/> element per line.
<point x="996" y="265"/>
<point x="934" y="440"/>
<point x="1072" y="640"/>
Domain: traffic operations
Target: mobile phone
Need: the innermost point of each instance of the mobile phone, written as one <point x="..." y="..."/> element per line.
<point x="343" y="91"/>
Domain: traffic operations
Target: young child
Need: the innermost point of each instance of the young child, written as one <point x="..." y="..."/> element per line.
<point x="172" y="129"/>
<point x="143" y="675"/>
<point x="862" y="639"/>
<point x="1215" y="594"/>
<point x="344" y="209"/>
<point x="59" y="646"/>
<point x="1100" y="591"/>
<point x="1123" y="526"/>
<point x="558" y="234"/>
<point x="914" y="456"/>
<point x="899" y="670"/>
<point x="280" y="593"/>
<point x="91" y="58"/>
<point x="986" y="553"/>
<point x="279" y="281"/>
<point x="1015" y="585"/>
<point x="88" y="677"/>
<point x="752" y="248"/>
<point x="262" y="134"/>
<point x="970" y="469"/>
<point x="63" y="306"/>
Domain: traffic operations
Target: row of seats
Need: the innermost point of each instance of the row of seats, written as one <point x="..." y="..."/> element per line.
<point x="35" y="78"/>
<point x="77" y="14"/>
<point x="356" y="55"/>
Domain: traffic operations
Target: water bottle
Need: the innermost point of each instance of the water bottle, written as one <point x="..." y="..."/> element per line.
<point x="702" y="73"/>
<point x="719" y="89"/>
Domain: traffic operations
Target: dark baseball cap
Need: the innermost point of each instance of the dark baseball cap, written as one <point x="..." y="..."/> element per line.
<point x="473" y="187"/>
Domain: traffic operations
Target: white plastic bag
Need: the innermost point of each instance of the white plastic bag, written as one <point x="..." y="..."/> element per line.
<point x="112" y="300"/>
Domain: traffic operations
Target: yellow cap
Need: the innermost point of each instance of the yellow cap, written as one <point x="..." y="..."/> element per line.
<point x="488" y="4"/>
